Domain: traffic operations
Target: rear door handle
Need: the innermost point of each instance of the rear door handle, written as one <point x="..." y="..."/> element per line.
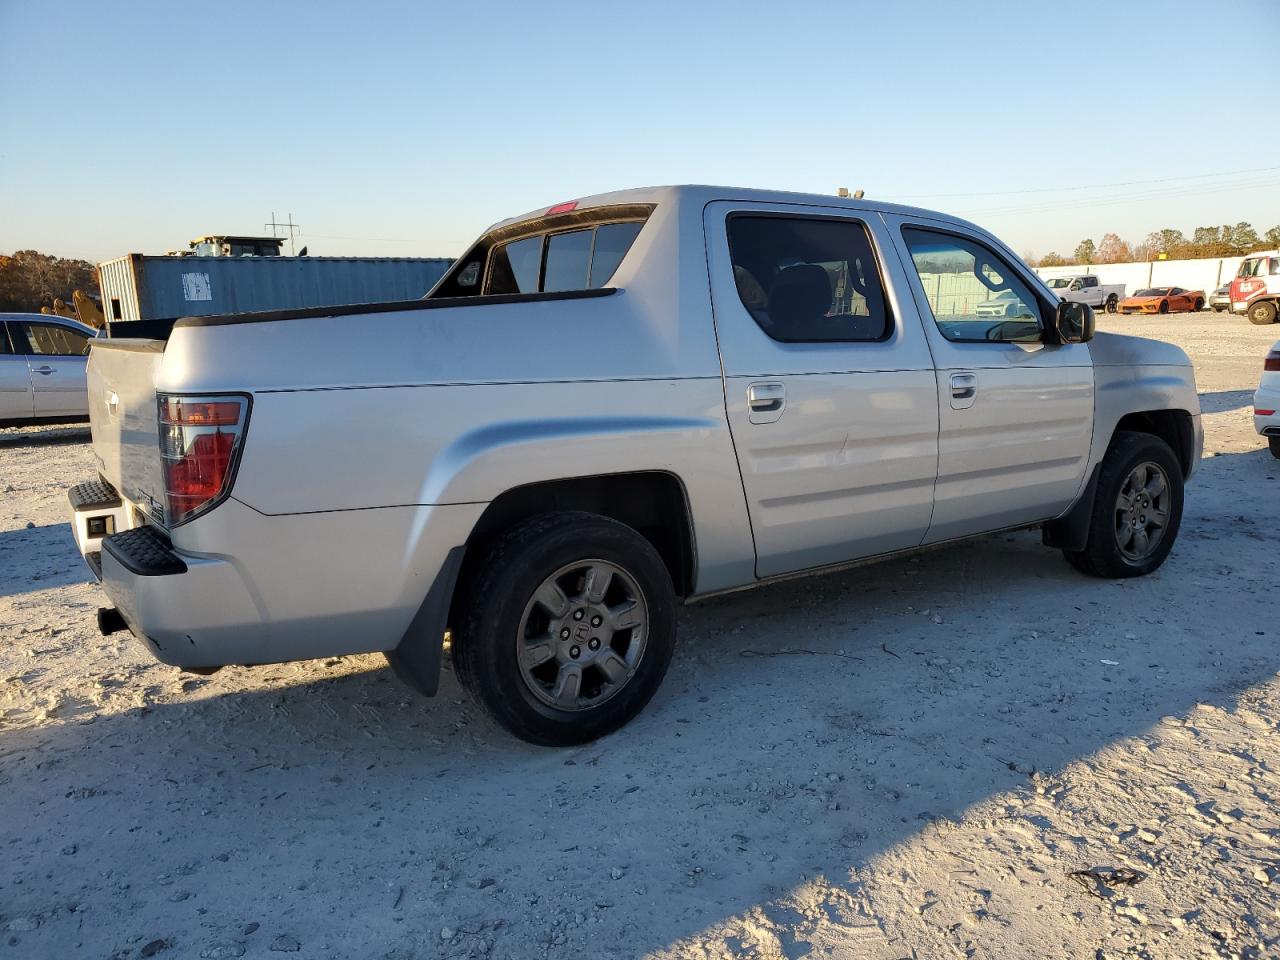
<point x="964" y="390"/>
<point x="46" y="370"/>
<point x="766" y="401"/>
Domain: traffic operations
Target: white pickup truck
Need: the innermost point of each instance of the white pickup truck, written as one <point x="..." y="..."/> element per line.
<point x="605" y="408"/>
<point x="1085" y="288"/>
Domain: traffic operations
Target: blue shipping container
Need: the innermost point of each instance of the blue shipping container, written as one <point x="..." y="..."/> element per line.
<point x="138" y="287"/>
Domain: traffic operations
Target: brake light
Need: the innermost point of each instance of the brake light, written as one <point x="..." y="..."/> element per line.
<point x="200" y="440"/>
<point x="1258" y="412"/>
<point x="562" y="208"/>
<point x="1273" y="361"/>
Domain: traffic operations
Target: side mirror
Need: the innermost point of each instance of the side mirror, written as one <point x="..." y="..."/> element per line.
<point x="1072" y="323"/>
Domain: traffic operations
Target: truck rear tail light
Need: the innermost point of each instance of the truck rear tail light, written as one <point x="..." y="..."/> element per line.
<point x="1273" y="361"/>
<point x="1259" y="412"/>
<point x="200" y="440"/>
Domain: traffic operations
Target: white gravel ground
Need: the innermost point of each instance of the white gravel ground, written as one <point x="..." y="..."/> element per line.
<point x="903" y="761"/>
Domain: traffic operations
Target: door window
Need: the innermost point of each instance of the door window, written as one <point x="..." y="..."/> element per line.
<point x="53" y="340"/>
<point x="4" y="339"/>
<point x="805" y="279"/>
<point x="974" y="295"/>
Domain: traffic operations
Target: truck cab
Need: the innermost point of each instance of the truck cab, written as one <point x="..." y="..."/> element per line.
<point x="1255" y="291"/>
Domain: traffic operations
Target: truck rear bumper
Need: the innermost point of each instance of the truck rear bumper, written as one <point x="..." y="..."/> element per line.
<point x="189" y="611"/>
<point x="241" y="587"/>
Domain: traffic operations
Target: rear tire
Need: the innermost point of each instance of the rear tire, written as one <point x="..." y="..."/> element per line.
<point x="1262" y="313"/>
<point x="566" y="675"/>
<point x="1139" y="493"/>
<point x="1110" y="305"/>
<point x="1274" y="444"/>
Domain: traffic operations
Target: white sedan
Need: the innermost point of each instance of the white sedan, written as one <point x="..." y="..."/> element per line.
<point x="42" y="369"/>
<point x="1266" y="402"/>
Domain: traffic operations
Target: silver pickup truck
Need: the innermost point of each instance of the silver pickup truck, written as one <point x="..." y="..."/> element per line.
<point x="606" y="408"/>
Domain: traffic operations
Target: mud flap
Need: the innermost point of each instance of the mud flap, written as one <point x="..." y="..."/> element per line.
<point x="416" y="660"/>
<point x="1071" y="530"/>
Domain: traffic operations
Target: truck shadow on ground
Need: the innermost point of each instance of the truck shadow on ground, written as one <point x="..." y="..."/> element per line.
<point x="39" y="558"/>
<point x="1222" y="401"/>
<point x="803" y="728"/>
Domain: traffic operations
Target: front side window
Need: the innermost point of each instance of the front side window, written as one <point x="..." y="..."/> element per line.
<point x="51" y="340"/>
<point x="4" y="340"/>
<point x="805" y="279"/>
<point x="974" y="295"/>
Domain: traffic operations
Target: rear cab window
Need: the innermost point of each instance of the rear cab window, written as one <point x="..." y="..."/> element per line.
<point x="577" y="250"/>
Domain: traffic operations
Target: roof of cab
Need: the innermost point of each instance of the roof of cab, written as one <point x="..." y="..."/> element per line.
<point x="704" y="194"/>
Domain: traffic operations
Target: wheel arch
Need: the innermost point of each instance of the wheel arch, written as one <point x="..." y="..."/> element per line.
<point x="1174" y="427"/>
<point x="654" y="503"/>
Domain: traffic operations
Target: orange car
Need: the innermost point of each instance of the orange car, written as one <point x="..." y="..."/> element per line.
<point x="1163" y="300"/>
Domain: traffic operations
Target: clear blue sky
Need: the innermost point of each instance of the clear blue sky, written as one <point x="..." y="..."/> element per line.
<point x="405" y="128"/>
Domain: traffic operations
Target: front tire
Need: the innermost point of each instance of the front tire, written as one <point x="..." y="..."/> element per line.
<point x="1262" y="313"/>
<point x="1197" y="306"/>
<point x="1137" y="509"/>
<point x="568" y="627"/>
<point x="1274" y="444"/>
<point x="1111" y="303"/>
<point x="1164" y="306"/>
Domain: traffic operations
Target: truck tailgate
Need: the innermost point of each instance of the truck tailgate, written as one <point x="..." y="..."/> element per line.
<point x="124" y="418"/>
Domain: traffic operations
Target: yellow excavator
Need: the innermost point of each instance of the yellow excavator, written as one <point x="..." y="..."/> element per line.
<point x="85" y="310"/>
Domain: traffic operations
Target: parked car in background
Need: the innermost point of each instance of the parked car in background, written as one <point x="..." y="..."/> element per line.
<point x="1220" y="299"/>
<point x="1163" y="300"/>
<point x="1085" y="288"/>
<point x="550" y="458"/>
<point x="42" y="369"/>
<point x="1003" y="304"/>
<point x="1255" y="291"/>
<point x="1266" y="402"/>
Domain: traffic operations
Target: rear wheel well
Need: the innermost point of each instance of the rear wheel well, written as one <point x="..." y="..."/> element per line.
<point x="651" y="503"/>
<point x="1172" y="426"/>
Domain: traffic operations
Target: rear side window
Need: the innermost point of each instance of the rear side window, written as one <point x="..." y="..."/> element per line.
<point x="4" y="339"/>
<point x="51" y="340"/>
<point x="568" y="260"/>
<point x="806" y="279"/>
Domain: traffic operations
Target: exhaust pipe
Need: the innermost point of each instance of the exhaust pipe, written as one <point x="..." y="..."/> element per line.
<point x="110" y="621"/>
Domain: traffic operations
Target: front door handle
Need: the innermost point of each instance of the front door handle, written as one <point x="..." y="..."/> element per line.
<point x="46" y="370"/>
<point x="765" y="401"/>
<point x="964" y="390"/>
